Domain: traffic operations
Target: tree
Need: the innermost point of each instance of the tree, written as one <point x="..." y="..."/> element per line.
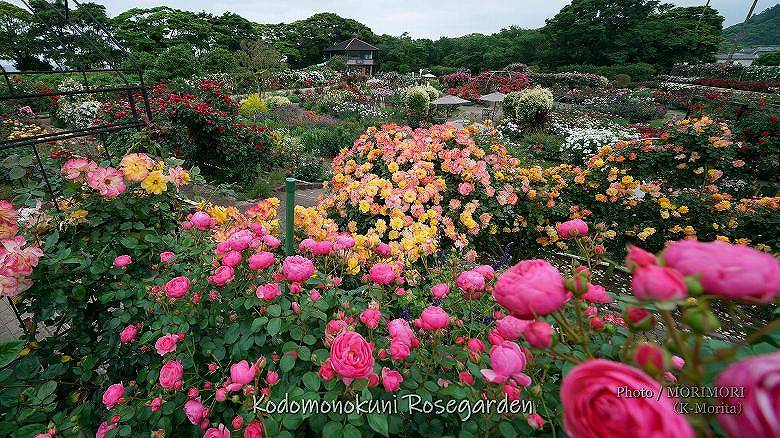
<point x="175" y="62"/>
<point x="770" y="58"/>
<point x="338" y="62"/>
<point x="217" y="60"/>
<point x="17" y="42"/>
<point x="258" y="59"/>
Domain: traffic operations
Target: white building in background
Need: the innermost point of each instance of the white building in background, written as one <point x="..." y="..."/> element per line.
<point x="746" y="56"/>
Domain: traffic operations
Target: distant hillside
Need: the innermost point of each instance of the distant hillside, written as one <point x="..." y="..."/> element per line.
<point x="761" y="30"/>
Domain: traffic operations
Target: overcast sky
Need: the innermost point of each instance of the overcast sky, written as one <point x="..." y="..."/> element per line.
<point x="421" y="18"/>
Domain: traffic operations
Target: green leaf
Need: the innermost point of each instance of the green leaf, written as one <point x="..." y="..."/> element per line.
<point x="351" y="431"/>
<point x="274" y="326"/>
<point x="507" y="430"/>
<point x="46" y="389"/>
<point x="311" y="380"/>
<point x="287" y="363"/>
<point x="332" y="429"/>
<point x="9" y="350"/>
<point x="378" y="422"/>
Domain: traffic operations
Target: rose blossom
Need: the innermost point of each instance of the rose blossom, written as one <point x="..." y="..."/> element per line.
<point x="371" y="317"/>
<point x="166" y="256"/>
<point x="297" y="268"/>
<point x="268" y="291"/>
<point x="538" y="334"/>
<point x="638" y="257"/>
<point x="507" y="361"/>
<point x="382" y="273"/>
<point x="122" y="261"/>
<point x="166" y="344"/>
<point x="434" y="318"/>
<point x="592" y="406"/>
<point x="596" y="294"/>
<point x="177" y="287"/>
<point x="202" y="220"/>
<point x="254" y="430"/>
<point x="658" y="283"/>
<point x="155" y="404"/>
<point x="242" y="373"/>
<point x="440" y="290"/>
<point x="576" y="227"/>
<point x="650" y="357"/>
<point x="195" y="411"/>
<point x="535" y="421"/>
<point x="113" y="395"/>
<point x="128" y="334"/>
<point x="510" y="328"/>
<point x="383" y="249"/>
<point x="758" y="415"/>
<point x="487" y="271"/>
<point x="471" y="281"/>
<point x="222" y="276"/>
<point x="170" y="374"/>
<point x="531" y="288"/>
<point x="232" y="259"/>
<point x="727" y="270"/>
<point x="391" y="379"/>
<point x="217" y="432"/>
<point x="351" y="356"/>
<point x="261" y="260"/>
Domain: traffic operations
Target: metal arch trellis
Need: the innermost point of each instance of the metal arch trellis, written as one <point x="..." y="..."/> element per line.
<point x="131" y="89"/>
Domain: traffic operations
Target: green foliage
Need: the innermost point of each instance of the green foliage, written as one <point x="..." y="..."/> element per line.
<point x="529" y="107"/>
<point x="761" y="30"/>
<point x="771" y="58"/>
<point x="639" y="71"/>
<point x="217" y="60"/>
<point x="417" y="101"/>
<point x="175" y="62"/>
<point x="338" y="62"/>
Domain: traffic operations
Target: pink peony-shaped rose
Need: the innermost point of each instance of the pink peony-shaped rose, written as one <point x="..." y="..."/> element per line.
<point x="531" y="288"/>
<point x="487" y="271"/>
<point x="254" y="430"/>
<point x="511" y="328"/>
<point x="323" y="247"/>
<point x="166" y="256"/>
<point x="344" y="241"/>
<point x="261" y="260"/>
<point x="155" y="404"/>
<point x="382" y="273"/>
<point x="638" y="257"/>
<point x="166" y="344"/>
<point x="271" y="241"/>
<point x="232" y="259"/>
<point x="727" y="270"/>
<point x="202" y="220"/>
<point x="240" y="240"/>
<point x="128" y="334"/>
<point x="507" y="361"/>
<point x="177" y="287"/>
<point x="538" y="334"/>
<point x="576" y="227"/>
<point x="297" y="268"/>
<point x="440" y="290"/>
<point x="268" y="291"/>
<point x="242" y="372"/>
<point x="217" y="432"/>
<point x="658" y="283"/>
<point x="222" y="276"/>
<point x="195" y="411"/>
<point x="371" y="317"/>
<point x="471" y="281"/>
<point x="592" y="406"/>
<point x="596" y="294"/>
<point x="759" y="409"/>
<point x="170" y="374"/>
<point x="434" y="318"/>
<point x="306" y="245"/>
<point x="351" y="356"/>
<point x="391" y="379"/>
<point x="113" y="395"/>
<point x="122" y="261"/>
<point x="383" y="249"/>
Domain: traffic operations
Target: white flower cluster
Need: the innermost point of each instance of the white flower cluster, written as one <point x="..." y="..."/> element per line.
<point x="356" y="108"/>
<point x="582" y="142"/>
<point x="75" y="111"/>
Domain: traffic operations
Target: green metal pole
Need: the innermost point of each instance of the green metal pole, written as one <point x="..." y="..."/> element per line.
<point x="289" y="214"/>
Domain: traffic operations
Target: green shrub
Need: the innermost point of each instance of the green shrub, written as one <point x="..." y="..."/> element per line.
<point x="277" y="101"/>
<point x="253" y="105"/>
<point x="417" y="101"/>
<point x="529" y="107"/>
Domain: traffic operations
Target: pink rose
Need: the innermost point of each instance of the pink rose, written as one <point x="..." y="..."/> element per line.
<point x="399" y="350"/>
<point x="538" y="334"/>
<point x="170" y="374"/>
<point x="306" y="245"/>
<point x="261" y="260"/>
<point x="650" y="357"/>
<point x="166" y="344"/>
<point x="535" y="421"/>
<point x="592" y="405"/>
<point x="351" y="356"/>
<point x="344" y="241"/>
<point x="217" y="432"/>
<point x="271" y="241"/>
<point x="383" y="250"/>
<point x="242" y="372"/>
<point x="177" y="287"/>
<point x="471" y="281"/>
<point x="434" y="318"/>
<point x="297" y="268"/>
<point x="531" y="288"/>
<point x="727" y="270"/>
<point x="222" y="276"/>
<point x="240" y="240"/>
<point x="759" y="415"/>
<point x="382" y="273"/>
<point x="113" y="395"/>
<point x="638" y="257"/>
<point x="371" y="317"/>
<point x="440" y="290"/>
<point x="576" y="227"/>
<point x="195" y="411"/>
<point x="238" y="422"/>
<point x="268" y="291"/>
<point x="272" y="377"/>
<point x="476" y="345"/>
<point x="232" y="259"/>
<point x="678" y="363"/>
<point x="155" y="404"/>
<point x="507" y="361"/>
<point x="658" y="283"/>
<point x="122" y="261"/>
<point x="596" y="294"/>
<point x="166" y="256"/>
<point x="202" y="220"/>
<point x="104" y="428"/>
<point x="487" y="271"/>
<point x="465" y="378"/>
<point x="326" y="371"/>
<point x="511" y="328"/>
<point x="254" y="430"/>
<point x="391" y="380"/>
<point x="128" y="334"/>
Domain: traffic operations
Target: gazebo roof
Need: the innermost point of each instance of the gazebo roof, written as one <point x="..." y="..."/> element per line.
<point x="353" y="43"/>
